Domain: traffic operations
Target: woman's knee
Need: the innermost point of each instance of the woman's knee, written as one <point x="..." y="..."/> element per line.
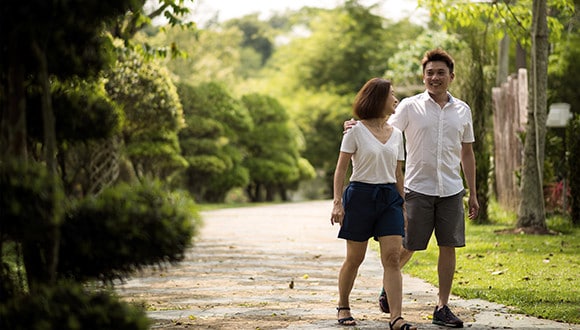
<point x="391" y="258"/>
<point x="353" y="261"/>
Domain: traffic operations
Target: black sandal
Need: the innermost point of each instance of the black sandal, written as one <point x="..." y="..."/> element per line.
<point x="404" y="326"/>
<point x="344" y="320"/>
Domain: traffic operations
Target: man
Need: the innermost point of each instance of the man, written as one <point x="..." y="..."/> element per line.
<point x="439" y="136"/>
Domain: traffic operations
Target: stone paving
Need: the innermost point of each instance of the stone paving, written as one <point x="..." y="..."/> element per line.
<point x="275" y="267"/>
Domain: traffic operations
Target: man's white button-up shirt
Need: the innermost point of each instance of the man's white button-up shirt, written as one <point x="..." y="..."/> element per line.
<point x="433" y="143"/>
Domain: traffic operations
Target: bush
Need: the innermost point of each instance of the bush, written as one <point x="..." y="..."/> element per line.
<point x="67" y="306"/>
<point x="28" y="208"/>
<point x="123" y="229"/>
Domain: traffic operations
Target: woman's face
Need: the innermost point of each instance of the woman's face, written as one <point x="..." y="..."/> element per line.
<point x="391" y="103"/>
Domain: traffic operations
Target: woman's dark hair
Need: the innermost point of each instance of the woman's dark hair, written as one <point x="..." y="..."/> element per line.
<point x="437" y="55"/>
<point x="370" y="101"/>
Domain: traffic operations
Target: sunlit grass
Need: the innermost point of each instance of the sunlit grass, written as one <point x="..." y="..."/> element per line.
<point x="535" y="274"/>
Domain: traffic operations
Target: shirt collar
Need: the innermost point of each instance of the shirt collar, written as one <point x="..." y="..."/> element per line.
<point x="425" y="96"/>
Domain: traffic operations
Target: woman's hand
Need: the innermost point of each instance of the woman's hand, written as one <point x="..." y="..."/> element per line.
<point x="337" y="215"/>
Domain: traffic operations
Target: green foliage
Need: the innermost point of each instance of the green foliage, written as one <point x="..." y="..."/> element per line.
<point x="28" y="206"/>
<point x="156" y="154"/>
<point x="320" y="119"/>
<point x="123" y="229"/>
<point x="514" y="18"/>
<point x="32" y="207"/>
<point x="153" y="113"/>
<point x="175" y="13"/>
<point x="322" y="59"/>
<point x="68" y="306"/>
<point x="51" y="55"/>
<point x="211" y="140"/>
<point x="67" y="33"/>
<point x="256" y="35"/>
<point x="405" y="68"/>
<point x="215" y="101"/>
<point x="273" y="148"/>
<point x="211" y="54"/>
<point x="83" y="109"/>
<point x="147" y="95"/>
<point x="345" y="49"/>
<point x="11" y="282"/>
<point x="532" y="273"/>
<point x="475" y="88"/>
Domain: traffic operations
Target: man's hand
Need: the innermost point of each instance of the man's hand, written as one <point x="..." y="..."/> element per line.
<point x="473" y="207"/>
<point x="348" y="125"/>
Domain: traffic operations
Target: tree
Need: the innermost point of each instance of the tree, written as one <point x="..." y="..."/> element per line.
<point x="175" y="13"/>
<point x="87" y="117"/>
<point x="346" y="47"/>
<point x="316" y="74"/>
<point x="208" y="53"/>
<point x="319" y="117"/>
<point x="153" y="113"/>
<point x="256" y="35"/>
<point x="274" y="159"/>
<point x="51" y="50"/>
<point x="531" y="213"/>
<point x="45" y="39"/>
<point x="211" y="141"/>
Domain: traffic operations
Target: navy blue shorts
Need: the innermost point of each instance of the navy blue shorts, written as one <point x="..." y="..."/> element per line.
<point x="371" y="210"/>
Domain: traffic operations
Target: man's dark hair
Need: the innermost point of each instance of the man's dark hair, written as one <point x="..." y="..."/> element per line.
<point x="438" y="55"/>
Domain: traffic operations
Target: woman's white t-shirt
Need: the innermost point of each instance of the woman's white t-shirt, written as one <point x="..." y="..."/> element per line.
<point x="372" y="161"/>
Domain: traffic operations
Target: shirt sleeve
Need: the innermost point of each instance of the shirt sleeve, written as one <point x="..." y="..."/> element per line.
<point x="468" y="135"/>
<point x="401" y="149"/>
<point x="348" y="144"/>
<point x="400" y="118"/>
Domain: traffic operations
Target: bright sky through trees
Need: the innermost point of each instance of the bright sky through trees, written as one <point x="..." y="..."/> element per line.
<point x="226" y="9"/>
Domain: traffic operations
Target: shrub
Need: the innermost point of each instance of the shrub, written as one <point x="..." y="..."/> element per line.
<point x="123" y="229"/>
<point x="67" y="306"/>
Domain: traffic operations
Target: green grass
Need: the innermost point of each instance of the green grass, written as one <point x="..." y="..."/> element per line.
<point x="535" y="274"/>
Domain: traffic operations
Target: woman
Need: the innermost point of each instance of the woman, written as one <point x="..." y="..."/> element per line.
<point x="372" y="204"/>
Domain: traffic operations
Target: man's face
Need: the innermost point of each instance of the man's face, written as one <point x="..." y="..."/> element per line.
<point x="437" y="77"/>
<point x="391" y="103"/>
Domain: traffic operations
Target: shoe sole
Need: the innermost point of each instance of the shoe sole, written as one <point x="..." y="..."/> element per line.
<point x="450" y="325"/>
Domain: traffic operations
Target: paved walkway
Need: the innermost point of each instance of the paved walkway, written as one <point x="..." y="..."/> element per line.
<point x="275" y="267"/>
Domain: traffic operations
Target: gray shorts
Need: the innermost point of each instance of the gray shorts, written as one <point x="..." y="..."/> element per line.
<point x="426" y="213"/>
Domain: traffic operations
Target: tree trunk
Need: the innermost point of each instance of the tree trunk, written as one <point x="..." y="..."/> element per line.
<point x="503" y="60"/>
<point x="520" y="56"/>
<point x="531" y="211"/>
<point x="46" y="252"/>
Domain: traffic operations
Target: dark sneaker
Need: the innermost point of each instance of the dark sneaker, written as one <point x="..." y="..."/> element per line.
<point x="445" y="316"/>
<point x="383" y="302"/>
